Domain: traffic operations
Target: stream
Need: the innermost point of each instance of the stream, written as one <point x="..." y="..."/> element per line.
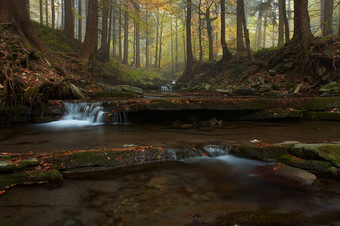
<point x="195" y="191"/>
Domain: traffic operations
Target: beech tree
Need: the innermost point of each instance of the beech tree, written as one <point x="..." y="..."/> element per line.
<point x="69" y="20"/>
<point x="302" y="33"/>
<point x="226" y="54"/>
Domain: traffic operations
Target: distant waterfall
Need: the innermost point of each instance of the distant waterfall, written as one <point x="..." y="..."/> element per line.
<point x="91" y="112"/>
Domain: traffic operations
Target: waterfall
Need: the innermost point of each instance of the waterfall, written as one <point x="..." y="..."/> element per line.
<point x="90" y="112"/>
<point x="120" y="118"/>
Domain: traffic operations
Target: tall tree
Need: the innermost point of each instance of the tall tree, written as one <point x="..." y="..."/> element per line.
<point x="189" y="55"/>
<point x="146" y="40"/>
<point x="226" y="54"/>
<point x="89" y="47"/>
<point x="302" y="33"/>
<point x="53" y="13"/>
<point x="69" y="20"/>
<point x="209" y="20"/>
<point x="328" y="18"/>
<point x="137" y="7"/>
<point x="120" y="51"/>
<point x="283" y="23"/>
<point x="46" y="12"/>
<point x="41" y="11"/>
<point x="104" y="31"/>
<point x="80" y="20"/>
<point x="126" y="34"/>
<point x="176" y="44"/>
<point x="239" y="27"/>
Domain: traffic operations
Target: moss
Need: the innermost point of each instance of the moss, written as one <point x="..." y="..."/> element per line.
<point x="321" y="116"/>
<point x="30" y="177"/>
<point x="112" y="94"/>
<point x="30" y="162"/>
<point x="315" y="166"/>
<point x="329" y="152"/>
<point x="262" y="152"/>
<point x="321" y="103"/>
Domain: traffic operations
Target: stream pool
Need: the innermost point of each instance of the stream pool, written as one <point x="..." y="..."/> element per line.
<point x="197" y="191"/>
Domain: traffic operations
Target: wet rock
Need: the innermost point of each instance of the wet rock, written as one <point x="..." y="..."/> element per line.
<point x="315" y="166"/>
<point x="286" y="174"/>
<point x="262" y="152"/>
<point x="77" y="93"/>
<point x="223" y="90"/>
<point x="132" y="89"/>
<point x="329" y="152"/>
<point x="157" y="182"/>
<point x="6" y="166"/>
<point x="207" y="87"/>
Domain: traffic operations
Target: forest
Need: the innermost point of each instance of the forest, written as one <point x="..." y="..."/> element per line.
<point x="169" y="112"/>
<point x="148" y="44"/>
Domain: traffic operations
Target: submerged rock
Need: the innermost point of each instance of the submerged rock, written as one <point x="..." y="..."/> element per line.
<point x="157" y="182"/>
<point x="285" y="174"/>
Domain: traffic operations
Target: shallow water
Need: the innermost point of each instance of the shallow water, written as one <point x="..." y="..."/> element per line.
<point x="72" y="135"/>
<point x="195" y="190"/>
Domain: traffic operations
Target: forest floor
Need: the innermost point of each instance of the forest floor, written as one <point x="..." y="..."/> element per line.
<point x="28" y="79"/>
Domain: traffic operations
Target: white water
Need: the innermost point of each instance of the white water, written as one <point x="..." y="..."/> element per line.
<point x="80" y="115"/>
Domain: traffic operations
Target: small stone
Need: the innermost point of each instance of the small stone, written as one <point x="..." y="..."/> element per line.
<point x="321" y="70"/>
<point x="207" y="87"/>
<point x="272" y="72"/>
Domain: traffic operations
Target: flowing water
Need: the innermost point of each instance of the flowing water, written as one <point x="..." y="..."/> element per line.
<point x="195" y="191"/>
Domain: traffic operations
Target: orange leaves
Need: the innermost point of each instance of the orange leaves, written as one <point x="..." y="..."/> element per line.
<point x="277" y="167"/>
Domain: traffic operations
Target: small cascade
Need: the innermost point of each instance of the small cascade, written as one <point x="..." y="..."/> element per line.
<point x="90" y="112"/>
<point x="120" y="118"/>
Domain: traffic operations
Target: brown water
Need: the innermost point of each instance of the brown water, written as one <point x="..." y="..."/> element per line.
<point x="198" y="191"/>
<point x="54" y="137"/>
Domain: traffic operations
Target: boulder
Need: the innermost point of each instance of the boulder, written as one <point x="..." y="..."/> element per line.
<point x="332" y="87"/>
<point x="30" y="162"/>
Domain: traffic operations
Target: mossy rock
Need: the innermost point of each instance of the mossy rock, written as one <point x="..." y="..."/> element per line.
<point x="334" y="116"/>
<point x="114" y="158"/>
<point x="6" y="166"/>
<point x="77" y="93"/>
<point x="321" y="103"/>
<point x="30" y="177"/>
<point x="315" y="166"/>
<point x="30" y="162"/>
<point x="261" y="152"/>
<point x="328" y="152"/>
<point x="132" y="89"/>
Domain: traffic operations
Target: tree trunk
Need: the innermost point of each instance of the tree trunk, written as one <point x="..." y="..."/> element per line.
<point x="171" y="47"/>
<point x="239" y="29"/>
<point x="259" y="28"/>
<point x="120" y="32"/>
<point x="146" y="40"/>
<point x="157" y="38"/>
<point x="285" y="20"/>
<point x="328" y="18"/>
<point x="69" y="20"/>
<point x="28" y="8"/>
<point x="53" y="13"/>
<point x="281" y="23"/>
<point x="126" y="35"/>
<point x="110" y="29"/>
<point x="46" y="12"/>
<point x="246" y="32"/>
<point x="104" y="43"/>
<point x="302" y="33"/>
<point x="190" y="57"/>
<point x="160" y="42"/>
<point x="137" y="35"/>
<point x="226" y="54"/>
<point x="80" y="22"/>
<point x="176" y="45"/>
<point x="209" y="31"/>
<point x="89" y="47"/>
<point x="114" y="37"/>
<point x="200" y="31"/>
<point x="264" y="33"/>
<point x="41" y="11"/>
<point x="322" y="15"/>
